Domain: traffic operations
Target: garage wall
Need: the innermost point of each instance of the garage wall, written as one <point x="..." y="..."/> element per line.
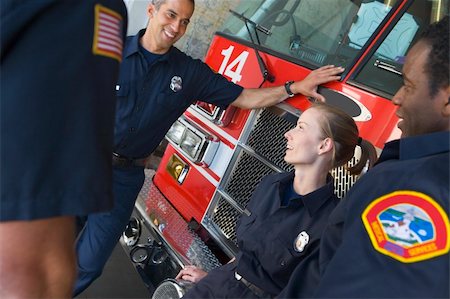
<point x="209" y="15"/>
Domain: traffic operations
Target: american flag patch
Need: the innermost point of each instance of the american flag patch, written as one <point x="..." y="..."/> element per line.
<point x="108" y="28"/>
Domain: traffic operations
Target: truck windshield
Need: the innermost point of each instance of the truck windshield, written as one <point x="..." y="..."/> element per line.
<point x="316" y="32"/>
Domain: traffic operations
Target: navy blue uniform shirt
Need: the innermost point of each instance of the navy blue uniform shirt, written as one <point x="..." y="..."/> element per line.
<point x="284" y="228"/>
<point x="59" y="66"/>
<point x="150" y="98"/>
<point x="268" y="252"/>
<point x="390" y="236"/>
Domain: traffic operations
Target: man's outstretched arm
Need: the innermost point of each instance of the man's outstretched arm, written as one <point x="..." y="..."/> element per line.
<point x="263" y="97"/>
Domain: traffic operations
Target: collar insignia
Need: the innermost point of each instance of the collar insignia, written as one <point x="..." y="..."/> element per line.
<point x="408" y="226"/>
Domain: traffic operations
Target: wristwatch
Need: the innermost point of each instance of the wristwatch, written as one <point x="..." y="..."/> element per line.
<point x="287" y="86"/>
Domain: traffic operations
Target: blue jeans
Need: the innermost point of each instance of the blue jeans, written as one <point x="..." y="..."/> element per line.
<point x="103" y="230"/>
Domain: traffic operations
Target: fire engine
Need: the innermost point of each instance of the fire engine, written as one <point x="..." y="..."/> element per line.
<point x="186" y="212"/>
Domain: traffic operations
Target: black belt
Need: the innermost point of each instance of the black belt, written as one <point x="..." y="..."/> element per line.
<point x="124" y="162"/>
<point x="255" y="290"/>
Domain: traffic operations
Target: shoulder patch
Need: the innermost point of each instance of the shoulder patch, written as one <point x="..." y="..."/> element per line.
<point x="408" y="226"/>
<point x="108" y="32"/>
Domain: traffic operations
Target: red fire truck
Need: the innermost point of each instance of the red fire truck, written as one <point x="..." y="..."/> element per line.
<point x="186" y="213"/>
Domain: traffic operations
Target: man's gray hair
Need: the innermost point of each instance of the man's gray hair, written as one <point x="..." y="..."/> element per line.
<point x="158" y="3"/>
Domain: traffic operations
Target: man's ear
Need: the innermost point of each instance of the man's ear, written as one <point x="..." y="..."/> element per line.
<point x="151" y="10"/>
<point x="326" y="146"/>
<point x="446" y="108"/>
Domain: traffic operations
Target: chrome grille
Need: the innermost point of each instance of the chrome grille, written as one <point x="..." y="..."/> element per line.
<point x="225" y="212"/>
<point x="247" y="173"/>
<point x="343" y="180"/>
<point x="267" y="137"/>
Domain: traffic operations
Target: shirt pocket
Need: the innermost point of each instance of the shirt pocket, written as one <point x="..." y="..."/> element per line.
<point x="122" y="90"/>
<point x="282" y="258"/>
<point x="124" y="103"/>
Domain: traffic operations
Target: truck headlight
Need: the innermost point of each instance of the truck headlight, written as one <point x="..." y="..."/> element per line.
<point x="191" y="143"/>
<point x="196" y="144"/>
<point x="176" y="132"/>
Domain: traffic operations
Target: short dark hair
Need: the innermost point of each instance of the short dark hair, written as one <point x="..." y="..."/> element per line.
<point x="437" y="68"/>
<point x="158" y="3"/>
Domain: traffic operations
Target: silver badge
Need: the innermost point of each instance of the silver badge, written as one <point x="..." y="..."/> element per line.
<point x="301" y="241"/>
<point x="176" y="83"/>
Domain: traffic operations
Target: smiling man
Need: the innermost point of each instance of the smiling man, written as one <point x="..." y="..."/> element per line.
<point x="157" y="84"/>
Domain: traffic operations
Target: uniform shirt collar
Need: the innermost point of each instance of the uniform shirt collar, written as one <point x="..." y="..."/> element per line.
<point x="132" y="47"/>
<point x="416" y="146"/>
<point x="313" y="200"/>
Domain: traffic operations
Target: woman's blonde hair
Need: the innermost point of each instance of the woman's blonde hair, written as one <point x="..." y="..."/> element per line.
<point x="342" y="129"/>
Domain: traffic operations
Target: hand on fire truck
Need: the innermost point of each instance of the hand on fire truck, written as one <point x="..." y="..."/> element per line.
<point x="252" y="98"/>
<point x="308" y="86"/>
<point x="192" y="274"/>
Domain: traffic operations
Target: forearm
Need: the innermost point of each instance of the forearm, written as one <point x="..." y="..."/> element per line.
<point x="252" y="98"/>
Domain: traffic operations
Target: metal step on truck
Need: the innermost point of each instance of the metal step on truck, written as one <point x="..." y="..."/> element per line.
<point x="187" y="210"/>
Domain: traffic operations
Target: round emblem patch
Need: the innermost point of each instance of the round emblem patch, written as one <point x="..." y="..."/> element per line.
<point x="408" y="226"/>
<point x="176" y="83"/>
<point x="301" y="241"/>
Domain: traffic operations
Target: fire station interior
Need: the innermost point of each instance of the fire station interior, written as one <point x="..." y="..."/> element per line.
<point x="121" y="277"/>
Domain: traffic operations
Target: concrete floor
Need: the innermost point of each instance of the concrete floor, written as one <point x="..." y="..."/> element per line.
<point x="119" y="280"/>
